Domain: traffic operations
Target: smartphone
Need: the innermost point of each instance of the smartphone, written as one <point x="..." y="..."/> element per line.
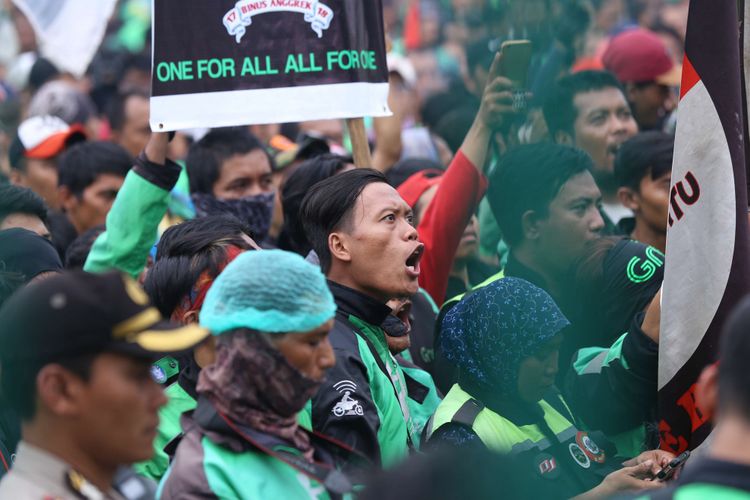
<point x="515" y="67"/>
<point x="667" y="472"/>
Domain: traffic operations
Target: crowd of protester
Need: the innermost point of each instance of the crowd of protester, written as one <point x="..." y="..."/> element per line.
<point x="242" y="313"/>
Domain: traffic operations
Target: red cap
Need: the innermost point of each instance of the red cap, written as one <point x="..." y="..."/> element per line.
<point x="639" y="55"/>
<point x="415" y="186"/>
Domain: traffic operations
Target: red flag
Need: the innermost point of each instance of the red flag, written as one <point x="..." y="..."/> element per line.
<point x="706" y="270"/>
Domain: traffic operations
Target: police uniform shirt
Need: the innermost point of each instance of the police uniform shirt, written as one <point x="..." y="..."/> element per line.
<point x="36" y="474"/>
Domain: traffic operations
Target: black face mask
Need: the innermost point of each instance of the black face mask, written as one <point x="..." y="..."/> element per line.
<point x="255" y="211"/>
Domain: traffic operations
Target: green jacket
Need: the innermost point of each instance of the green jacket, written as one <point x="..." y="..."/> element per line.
<point x="133" y="221"/>
<point x="214" y="462"/>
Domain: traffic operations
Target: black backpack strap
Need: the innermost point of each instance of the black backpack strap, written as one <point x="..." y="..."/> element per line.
<point x="467" y="414"/>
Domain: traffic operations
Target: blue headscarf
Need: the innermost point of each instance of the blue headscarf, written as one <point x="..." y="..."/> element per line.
<point x="493" y="329"/>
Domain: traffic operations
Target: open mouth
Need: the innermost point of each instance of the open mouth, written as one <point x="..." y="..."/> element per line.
<point x="403" y="311"/>
<point x="412" y="263"/>
<point x="612" y="149"/>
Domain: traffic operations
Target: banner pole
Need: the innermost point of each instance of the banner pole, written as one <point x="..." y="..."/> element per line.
<point x="360" y="146"/>
<point x="744" y="47"/>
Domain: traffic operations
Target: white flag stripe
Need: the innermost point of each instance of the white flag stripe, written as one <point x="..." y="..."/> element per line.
<point x="700" y="246"/>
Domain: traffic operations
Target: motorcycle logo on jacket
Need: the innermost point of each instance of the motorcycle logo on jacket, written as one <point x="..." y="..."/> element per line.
<point x="347" y="405"/>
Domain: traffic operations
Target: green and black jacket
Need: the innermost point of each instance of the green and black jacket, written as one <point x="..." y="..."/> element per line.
<point x="363" y="399"/>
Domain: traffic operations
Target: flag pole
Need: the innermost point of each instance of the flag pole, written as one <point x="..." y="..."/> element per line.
<point x="741" y="15"/>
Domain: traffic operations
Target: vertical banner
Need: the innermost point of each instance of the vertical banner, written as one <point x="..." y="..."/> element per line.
<point x="706" y="270"/>
<point x="68" y="31"/>
<point x="226" y="62"/>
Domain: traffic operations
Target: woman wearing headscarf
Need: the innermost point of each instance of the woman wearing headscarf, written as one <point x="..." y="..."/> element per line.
<point x="505" y="340"/>
<point x="271" y="313"/>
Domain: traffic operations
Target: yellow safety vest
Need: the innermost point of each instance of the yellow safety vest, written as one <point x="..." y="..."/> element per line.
<point x="497" y="432"/>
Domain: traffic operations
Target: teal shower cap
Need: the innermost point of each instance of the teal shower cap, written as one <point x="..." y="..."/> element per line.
<point x="269" y="291"/>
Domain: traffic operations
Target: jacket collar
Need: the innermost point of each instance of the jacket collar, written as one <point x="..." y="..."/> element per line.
<point x="353" y="303"/>
<point x="517" y="270"/>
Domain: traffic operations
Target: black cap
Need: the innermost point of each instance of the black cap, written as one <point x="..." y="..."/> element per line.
<point x="77" y="313"/>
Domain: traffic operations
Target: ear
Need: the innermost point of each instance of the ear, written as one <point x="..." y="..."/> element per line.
<point x="707" y="391"/>
<point x="17" y="177"/>
<point x="68" y="201"/>
<point x="565" y="138"/>
<point x="59" y="390"/>
<point x="189" y="318"/>
<point x="338" y="245"/>
<point x="629" y="198"/>
<point x="530" y="225"/>
<point x="205" y="352"/>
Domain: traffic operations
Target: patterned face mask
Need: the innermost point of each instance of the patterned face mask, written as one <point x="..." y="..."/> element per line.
<point x="255" y="211"/>
<point x="239" y="385"/>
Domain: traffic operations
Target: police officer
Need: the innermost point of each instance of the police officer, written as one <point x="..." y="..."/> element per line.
<point x="75" y="354"/>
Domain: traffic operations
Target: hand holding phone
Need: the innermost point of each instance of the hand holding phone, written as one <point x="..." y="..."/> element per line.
<point x="516" y="58"/>
<point x="673" y="466"/>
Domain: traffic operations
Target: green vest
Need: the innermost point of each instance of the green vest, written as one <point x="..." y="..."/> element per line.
<point x="500" y="434"/>
<point x="562" y="466"/>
